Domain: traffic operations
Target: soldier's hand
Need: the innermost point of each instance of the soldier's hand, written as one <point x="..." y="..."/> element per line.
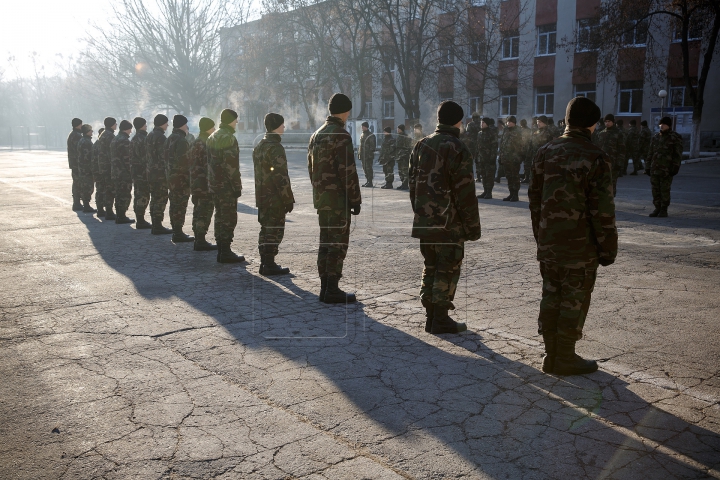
<point x="605" y="261"/>
<point x="289" y="208"/>
<point x="355" y="209"/>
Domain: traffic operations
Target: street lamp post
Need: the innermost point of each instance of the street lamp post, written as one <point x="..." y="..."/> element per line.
<point x="662" y="94"/>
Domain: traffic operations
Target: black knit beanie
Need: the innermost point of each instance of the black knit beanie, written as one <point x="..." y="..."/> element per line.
<point x="228" y="116"/>
<point x="339" y="103"/>
<point x="179" y="121"/>
<point x="160" y="120"/>
<point x="387" y="130"/>
<point x="449" y="113"/>
<point x="609" y="118"/>
<point x="86" y="129"/>
<point x="365" y="124"/>
<point x="643" y="123"/>
<point x="666" y="121"/>
<point x="139" y="122"/>
<point x="581" y="112"/>
<point x="633" y="123"/>
<point x="273" y="121"/>
<point x="401" y="127"/>
<point x="543" y="119"/>
<point x="206" y="124"/>
<point x="511" y="119"/>
<point x="76" y="122"/>
<point x="109" y="122"/>
<point x="125" y="125"/>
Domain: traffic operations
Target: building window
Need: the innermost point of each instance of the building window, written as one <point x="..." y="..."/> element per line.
<point x="587" y="34"/>
<point x="474" y="105"/>
<point x="477" y="52"/>
<point x="368" y="110"/>
<point x="544" y="100"/>
<point x="546" y="39"/>
<point x="694" y="30"/>
<point x="586" y="90"/>
<point x="389" y="107"/>
<point x="511" y="47"/>
<point x="630" y="97"/>
<point x="446" y="56"/>
<point x="637" y="33"/>
<point x="444" y="96"/>
<point x="680" y="97"/>
<point x="508" y="102"/>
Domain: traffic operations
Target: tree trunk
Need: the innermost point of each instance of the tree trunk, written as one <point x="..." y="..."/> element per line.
<point x="695" y="138"/>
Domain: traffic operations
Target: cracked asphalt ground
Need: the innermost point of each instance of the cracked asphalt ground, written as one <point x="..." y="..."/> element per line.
<point x="123" y="355"/>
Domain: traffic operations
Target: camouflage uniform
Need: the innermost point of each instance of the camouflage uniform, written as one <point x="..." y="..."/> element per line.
<point x="470" y="138"/>
<point x="527" y="134"/>
<point x="610" y="140"/>
<point x="85" y="169"/>
<point x="105" y="167"/>
<point x="665" y="157"/>
<point x="336" y="188"/>
<point x="540" y="137"/>
<point x="203" y="204"/>
<point x="644" y="145"/>
<point x="487" y="147"/>
<point x="366" y="153"/>
<point x="623" y="166"/>
<point x="99" y="185"/>
<point x="632" y="141"/>
<point x="442" y="193"/>
<point x="273" y="194"/>
<point x="177" y="169"/>
<point x="156" y="176"/>
<point x="403" y="147"/>
<point x="138" y="170"/>
<point x="72" y="151"/>
<point x="121" y="158"/>
<point x="512" y="152"/>
<point x="387" y="158"/>
<point x="224" y="180"/>
<point x="573" y="220"/>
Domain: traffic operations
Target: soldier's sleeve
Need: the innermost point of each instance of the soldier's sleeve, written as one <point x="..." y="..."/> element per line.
<point x="309" y="157"/>
<point x="347" y="171"/>
<point x="621" y="146"/>
<point x="601" y="209"/>
<point x="231" y="165"/>
<point x="279" y="175"/>
<point x="411" y="173"/>
<point x="677" y="150"/>
<point x="69" y="150"/>
<point x="463" y="186"/>
<point x="372" y="146"/>
<point x="125" y="152"/>
<point x="535" y="190"/>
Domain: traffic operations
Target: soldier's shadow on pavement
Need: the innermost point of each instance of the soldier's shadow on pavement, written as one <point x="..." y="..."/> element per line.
<point x="371" y="382"/>
<point x="247" y="209"/>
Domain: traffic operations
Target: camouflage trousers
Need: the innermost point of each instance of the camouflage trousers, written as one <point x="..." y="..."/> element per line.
<point x="86" y="186"/>
<point x="500" y="172"/>
<point x="141" y="196"/>
<point x="389" y="171"/>
<point x="75" y="184"/>
<point x="99" y="195"/>
<point x="158" y="200"/>
<point x="225" y="216"/>
<point x="487" y="170"/>
<point x="512" y="173"/>
<point x="202" y="214"/>
<point x="108" y="190"/>
<point x="367" y="165"/>
<point x="441" y="274"/>
<point x="527" y="167"/>
<point x="178" y="207"/>
<point x="403" y="163"/>
<point x="123" y="193"/>
<point x="272" y="231"/>
<point x="616" y="173"/>
<point x="478" y="166"/>
<point x="334" y="240"/>
<point x="661" y="183"/>
<point x="565" y="300"/>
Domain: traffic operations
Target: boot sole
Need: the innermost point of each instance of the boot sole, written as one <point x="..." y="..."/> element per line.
<point x="204" y="249"/>
<point x="441" y="331"/>
<point x="352" y="299"/>
<point x="239" y="260"/>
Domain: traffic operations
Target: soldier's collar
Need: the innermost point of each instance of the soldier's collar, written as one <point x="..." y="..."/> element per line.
<point x="334" y="119"/>
<point x="227" y="127"/>
<point x="273" y="137"/>
<point x="449" y="129"/>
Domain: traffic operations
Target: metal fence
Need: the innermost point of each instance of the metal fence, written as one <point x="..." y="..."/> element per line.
<point x="32" y="138"/>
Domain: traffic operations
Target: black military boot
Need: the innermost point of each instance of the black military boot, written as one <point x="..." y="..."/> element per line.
<point x="364" y="184"/>
<point x="387" y="186"/>
<point x="202" y="245"/>
<point x="442" y="323"/>
<point x="508" y="198"/>
<point x="225" y="255"/>
<point x="655" y="212"/>
<point x="515" y="197"/>
<point x="482" y="195"/>
<point x="404" y="186"/>
<point x="549" y="339"/>
<point x="497" y="179"/>
<point x="122" y="219"/>
<point x="158" y="229"/>
<point x="369" y="184"/>
<point x="87" y="208"/>
<point x="76" y="206"/>
<point x="429" y="313"/>
<point x="268" y="266"/>
<point x="179" y="236"/>
<point x="109" y="214"/>
<point x="100" y="212"/>
<point x="488" y="194"/>
<point x="526" y="180"/>
<point x="567" y="362"/>
<point x="333" y="294"/>
<point x="323" y="288"/>
<point x="141" y="223"/>
<point x="663" y="212"/>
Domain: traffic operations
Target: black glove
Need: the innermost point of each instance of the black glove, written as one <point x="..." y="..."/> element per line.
<point x="355" y="209"/>
<point x="289" y="208"/>
<point x="606" y="261"/>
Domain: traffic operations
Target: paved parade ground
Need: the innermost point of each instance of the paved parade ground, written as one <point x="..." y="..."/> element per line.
<point x="123" y="355"/>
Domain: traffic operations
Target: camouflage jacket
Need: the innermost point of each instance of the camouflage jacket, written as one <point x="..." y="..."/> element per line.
<point x="155" y="155"/>
<point x="571" y="203"/>
<point x="177" y="162"/>
<point x="331" y="165"/>
<point x="665" y="153"/>
<point x="72" y="147"/>
<point x="85" y="156"/>
<point x="121" y="157"/>
<point x="512" y="146"/>
<point x="387" y="150"/>
<point x="470" y="136"/>
<point x="367" y="147"/>
<point x="224" y="162"/>
<point x="644" y="139"/>
<point x="442" y="188"/>
<point x="611" y="141"/>
<point x="104" y="155"/>
<point x="96" y="159"/>
<point x="538" y="139"/>
<point x="527" y="134"/>
<point x="199" y="166"/>
<point x="138" y="165"/>
<point x="632" y="140"/>
<point x="487" y="144"/>
<point x="403" y="145"/>
<point x="273" y="194"/>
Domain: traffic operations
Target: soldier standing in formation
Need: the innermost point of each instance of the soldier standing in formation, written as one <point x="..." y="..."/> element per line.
<point x="336" y="195"/>
<point x="105" y="166"/>
<point x="632" y="147"/>
<point x="610" y="140"/>
<point x="470" y="138"/>
<point x="511" y="157"/>
<point x="72" y="151"/>
<point x="442" y="194"/>
<point x="403" y="147"/>
<point x="99" y="193"/>
<point x="85" y="168"/>
<point x="620" y="124"/>
<point x="120" y="160"/>
<point x="156" y="175"/>
<point x="225" y="183"/>
<point x="202" y="199"/>
<point x="573" y="220"/>
<point x="138" y="170"/>
<point x="527" y="137"/>
<point x="540" y="137"/>
<point x="177" y="164"/>
<point x="644" y="144"/>
<point x="664" y="158"/>
<point x="487" y="147"/>
<point x="387" y="158"/>
<point x="273" y="194"/>
<point x="500" y="171"/>
<point x="366" y="153"/>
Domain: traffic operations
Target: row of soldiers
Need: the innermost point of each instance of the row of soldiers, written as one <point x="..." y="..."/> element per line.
<point x="395" y="150"/>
